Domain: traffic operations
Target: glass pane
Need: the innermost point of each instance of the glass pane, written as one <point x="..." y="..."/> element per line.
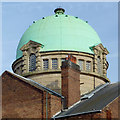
<point x="54" y="63"/>
<point x="81" y="63"/>
<point x="32" y="62"/>
<point x="88" y="66"/>
<point x="45" y="64"/>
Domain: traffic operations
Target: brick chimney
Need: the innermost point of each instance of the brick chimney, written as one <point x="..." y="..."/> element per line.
<point x="70" y="73"/>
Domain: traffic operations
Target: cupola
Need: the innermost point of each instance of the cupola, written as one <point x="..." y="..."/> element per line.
<point x="59" y="11"/>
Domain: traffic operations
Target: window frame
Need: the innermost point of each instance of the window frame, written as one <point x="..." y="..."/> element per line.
<point x="54" y="64"/>
<point x="99" y="65"/>
<point x="32" y="62"/>
<point x="89" y="69"/>
<point x="81" y="68"/>
<point x="46" y="65"/>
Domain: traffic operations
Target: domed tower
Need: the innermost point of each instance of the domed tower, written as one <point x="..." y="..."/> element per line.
<point x="47" y="42"/>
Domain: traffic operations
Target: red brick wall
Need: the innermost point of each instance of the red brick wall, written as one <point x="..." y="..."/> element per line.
<point x="70" y="85"/>
<point x="55" y="103"/>
<point x="73" y="86"/>
<point x="21" y="100"/>
<point x="112" y="108"/>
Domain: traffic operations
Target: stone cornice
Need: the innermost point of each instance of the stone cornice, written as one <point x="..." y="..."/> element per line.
<point x="62" y="52"/>
<point x="59" y="71"/>
<point x="30" y="44"/>
<point x="101" y="47"/>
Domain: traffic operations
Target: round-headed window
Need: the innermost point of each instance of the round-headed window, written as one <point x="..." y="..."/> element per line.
<point x="32" y="62"/>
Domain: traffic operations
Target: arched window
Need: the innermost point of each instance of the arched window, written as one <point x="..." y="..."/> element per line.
<point x="99" y="65"/>
<point x="32" y="62"/>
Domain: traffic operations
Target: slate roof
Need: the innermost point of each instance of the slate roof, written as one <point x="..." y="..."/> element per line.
<point x="95" y="103"/>
<point x="35" y="84"/>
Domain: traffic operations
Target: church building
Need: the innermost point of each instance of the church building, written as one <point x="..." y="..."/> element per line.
<point x="60" y="72"/>
<point x="47" y="42"/>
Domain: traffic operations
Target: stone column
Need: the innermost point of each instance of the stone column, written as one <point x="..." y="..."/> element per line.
<point x="38" y="59"/>
<point x="25" y="62"/>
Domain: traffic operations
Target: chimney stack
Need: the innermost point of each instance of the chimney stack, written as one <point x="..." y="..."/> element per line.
<point x="70" y="73"/>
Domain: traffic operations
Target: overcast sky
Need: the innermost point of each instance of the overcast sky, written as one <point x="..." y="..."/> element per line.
<point x="103" y="17"/>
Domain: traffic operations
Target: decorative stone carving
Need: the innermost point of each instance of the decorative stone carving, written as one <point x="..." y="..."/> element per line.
<point x="104" y="65"/>
<point x="95" y="61"/>
<point x="27" y="49"/>
<point x="100" y="51"/>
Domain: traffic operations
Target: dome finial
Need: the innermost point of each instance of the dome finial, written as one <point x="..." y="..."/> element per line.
<point x="59" y="11"/>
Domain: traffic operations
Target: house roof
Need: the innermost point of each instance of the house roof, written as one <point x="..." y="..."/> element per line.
<point x="96" y="103"/>
<point x="35" y="84"/>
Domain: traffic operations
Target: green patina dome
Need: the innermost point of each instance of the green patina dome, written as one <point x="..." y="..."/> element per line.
<point x="60" y="32"/>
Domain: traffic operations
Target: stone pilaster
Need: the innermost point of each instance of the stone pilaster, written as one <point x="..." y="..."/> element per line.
<point x="104" y="65"/>
<point x="101" y="59"/>
<point x="91" y="66"/>
<point x="25" y="62"/>
<point x="95" y="61"/>
<point x="85" y="65"/>
<point x="50" y="64"/>
<point x="59" y="63"/>
<point x="38" y="59"/>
